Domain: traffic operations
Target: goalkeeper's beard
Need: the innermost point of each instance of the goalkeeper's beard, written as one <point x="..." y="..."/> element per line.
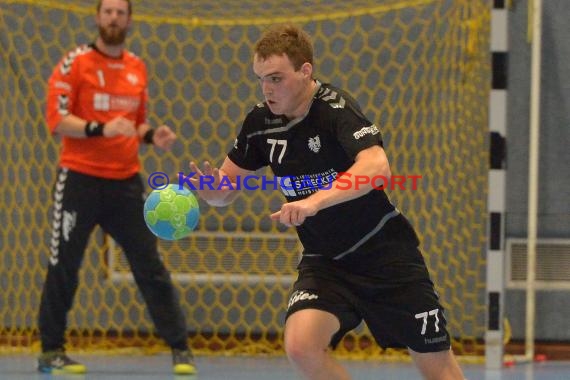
<point x="113" y="36"/>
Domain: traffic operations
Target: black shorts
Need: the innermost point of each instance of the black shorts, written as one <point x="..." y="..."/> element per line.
<point x="395" y="297"/>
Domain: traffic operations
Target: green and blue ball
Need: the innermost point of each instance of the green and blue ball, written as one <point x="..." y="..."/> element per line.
<point x="171" y="213"/>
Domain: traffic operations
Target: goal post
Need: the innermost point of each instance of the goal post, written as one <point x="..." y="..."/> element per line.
<point x="533" y="180"/>
<point x="496" y="204"/>
<point x="496" y="273"/>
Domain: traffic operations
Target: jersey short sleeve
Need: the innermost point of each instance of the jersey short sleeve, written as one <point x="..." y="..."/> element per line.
<point x="353" y="130"/>
<point x="62" y="86"/>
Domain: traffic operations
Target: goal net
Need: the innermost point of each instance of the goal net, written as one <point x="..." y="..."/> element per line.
<point x="418" y="68"/>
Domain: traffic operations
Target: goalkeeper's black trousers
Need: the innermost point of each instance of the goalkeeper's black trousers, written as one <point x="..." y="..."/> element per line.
<point x="80" y="203"/>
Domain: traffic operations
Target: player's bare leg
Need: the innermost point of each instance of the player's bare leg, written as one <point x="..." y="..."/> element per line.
<point x="307" y="338"/>
<point x="437" y="365"/>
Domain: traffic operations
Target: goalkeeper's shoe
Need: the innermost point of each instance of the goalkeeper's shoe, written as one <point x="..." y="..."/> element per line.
<point x="57" y="362"/>
<point x="183" y="362"/>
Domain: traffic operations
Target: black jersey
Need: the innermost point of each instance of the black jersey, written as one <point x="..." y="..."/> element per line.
<point x="307" y="154"/>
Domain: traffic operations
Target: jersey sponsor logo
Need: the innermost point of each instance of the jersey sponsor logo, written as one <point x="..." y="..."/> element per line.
<point x="315" y="143"/>
<point x="108" y="102"/>
<point x="301" y="295"/>
<point x="306" y="184"/>
<point x="371" y="130"/>
<point x="101" y="102"/>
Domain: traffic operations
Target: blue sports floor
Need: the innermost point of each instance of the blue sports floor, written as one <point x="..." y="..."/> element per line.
<point x="147" y="367"/>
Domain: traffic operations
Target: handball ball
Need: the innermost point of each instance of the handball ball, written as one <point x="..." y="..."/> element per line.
<point x="171" y="213"/>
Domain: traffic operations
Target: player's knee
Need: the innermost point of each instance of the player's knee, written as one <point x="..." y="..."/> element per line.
<point x="303" y="352"/>
<point x="295" y="352"/>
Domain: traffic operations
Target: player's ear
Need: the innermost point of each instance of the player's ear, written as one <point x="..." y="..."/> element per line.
<point x="307" y="70"/>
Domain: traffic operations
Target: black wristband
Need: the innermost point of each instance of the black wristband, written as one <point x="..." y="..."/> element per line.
<point x="148" y="136"/>
<point x="94" y="128"/>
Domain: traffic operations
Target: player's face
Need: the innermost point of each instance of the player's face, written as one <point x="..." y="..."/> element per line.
<point x="286" y="91"/>
<point x="113" y="21"/>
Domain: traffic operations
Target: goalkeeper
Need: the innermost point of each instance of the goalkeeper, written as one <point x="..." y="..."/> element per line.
<point x="97" y="102"/>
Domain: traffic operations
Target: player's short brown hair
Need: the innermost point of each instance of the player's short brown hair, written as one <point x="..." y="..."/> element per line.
<point x="286" y="39"/>
<point x="100" y="2"/>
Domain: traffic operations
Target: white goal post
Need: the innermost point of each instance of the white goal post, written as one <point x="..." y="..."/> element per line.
<point x="494" y="336"/>
<point x="533" y="174"/>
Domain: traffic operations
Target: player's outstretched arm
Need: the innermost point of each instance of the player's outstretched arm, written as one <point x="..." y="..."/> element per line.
<point x="217" y="186"/>
<point x="355" y="183"/>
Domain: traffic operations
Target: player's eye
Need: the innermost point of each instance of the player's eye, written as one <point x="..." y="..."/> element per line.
<point x="270" y="79"/>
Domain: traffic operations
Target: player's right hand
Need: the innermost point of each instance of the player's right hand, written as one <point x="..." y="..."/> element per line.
<point x="208" y="184"/>
<point x="120" y="126"/>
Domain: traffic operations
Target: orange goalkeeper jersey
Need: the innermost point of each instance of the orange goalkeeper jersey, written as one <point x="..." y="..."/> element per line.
<point x="93" y="86"/>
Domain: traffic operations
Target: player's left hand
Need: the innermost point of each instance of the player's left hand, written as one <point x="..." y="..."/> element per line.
<point x="294" y="214"/>
<point x="163" y="137"/>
